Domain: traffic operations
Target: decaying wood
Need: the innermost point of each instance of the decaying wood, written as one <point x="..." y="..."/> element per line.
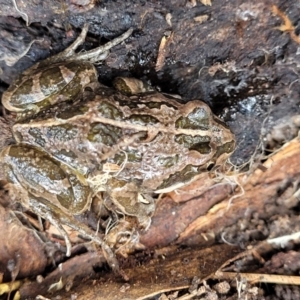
<point x="259" y="194"/>
<point x="161" y="274"/>
<point x="20" y="247"/>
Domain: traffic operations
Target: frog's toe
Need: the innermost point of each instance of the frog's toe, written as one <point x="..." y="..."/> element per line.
<point x="95" y="55"/>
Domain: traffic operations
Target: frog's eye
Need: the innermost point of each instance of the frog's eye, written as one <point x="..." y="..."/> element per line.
<point x="38" y="87"/>
<point x="43" y="176"/>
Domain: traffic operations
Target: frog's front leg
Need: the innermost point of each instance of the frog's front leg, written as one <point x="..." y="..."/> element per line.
<point x="124" y="237"/>
<point x="125" y="198"/>
<point x="128" y="199"/>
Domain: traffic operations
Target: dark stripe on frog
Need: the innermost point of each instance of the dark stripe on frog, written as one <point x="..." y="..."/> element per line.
<point x="104" y="133"/>
<point x="121" y="85"/>
<point x="62" y="111"/>
<point x="61" y="90"/>
<point x="63" y="154"/>
<point x="52" y="81"/>
<point x="185" y="175"/>
<point x="70" y="91"/>
<point x="225" y="148"/>
<point x="37" y="135"/>
<point x="24" y="95"/>
<point x="131" y="156"/>
<point x="122" y="102"/>
<point x="197" y="142"/>
<point x="110" y="111"/>
<point x="136" y="103"/>
<point x="143" y="120"/>
<point x="56" y="77"/>
<point x="199" y="118"/>
<point x="72" y="111"/>
<point x="64" y="132"/>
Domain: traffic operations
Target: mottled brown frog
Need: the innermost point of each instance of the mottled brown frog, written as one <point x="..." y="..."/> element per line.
<point x="76" y="137"/>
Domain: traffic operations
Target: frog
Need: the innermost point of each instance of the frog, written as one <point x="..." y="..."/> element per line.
<point x="76" y="138"/>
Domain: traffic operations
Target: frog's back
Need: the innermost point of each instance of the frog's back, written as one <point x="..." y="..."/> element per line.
<point x="150" y="138"/>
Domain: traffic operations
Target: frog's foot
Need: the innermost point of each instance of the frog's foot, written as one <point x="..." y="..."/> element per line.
<point x="70" y="51"/>
<point x="94" y="55"/>
<point x="124" y="237"/>
<point x="130" y="244"/>
<point x="57" y="217"/>
<point x="47" y="215"/>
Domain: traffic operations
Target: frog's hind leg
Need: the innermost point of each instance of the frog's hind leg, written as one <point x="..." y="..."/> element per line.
<point x="94" y="55"/>
<point x="68" y="52"/>
<point x="56" y="217"/>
